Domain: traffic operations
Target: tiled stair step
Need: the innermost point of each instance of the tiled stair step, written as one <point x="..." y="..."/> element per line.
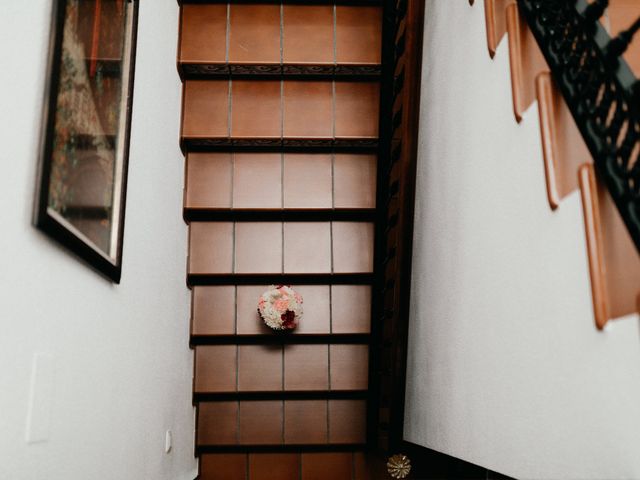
<point x="339" y="313"/>
<point x="281" y="423"/>
<point x="275" y="249"/>
<point x="269" y="38"/>
<point x="279" y="215"/>
<point x="284" y="339"/>
<point x="276" y="370"/>
<point x="315" y="186"/>
<point x="288" y="395"/>
<point x="203" y="279"/>
<point x="287" y="114"/>
<point x="284" y="466"/>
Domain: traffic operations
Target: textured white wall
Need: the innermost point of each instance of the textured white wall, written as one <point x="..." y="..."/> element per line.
<point x="506" y="368"/>
<point x="122" y="367"/>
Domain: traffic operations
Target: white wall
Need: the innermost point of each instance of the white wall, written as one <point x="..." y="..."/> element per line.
<point x="122" y="367"/>
<point x="506" y="368"/>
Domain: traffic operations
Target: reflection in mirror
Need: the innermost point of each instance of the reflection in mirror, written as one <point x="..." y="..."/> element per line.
<point x="84" y="166"/>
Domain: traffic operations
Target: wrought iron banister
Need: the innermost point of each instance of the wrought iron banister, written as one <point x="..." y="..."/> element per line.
<point x="600" y="89"/>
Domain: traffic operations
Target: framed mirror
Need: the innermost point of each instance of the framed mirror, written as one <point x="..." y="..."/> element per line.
<point x="82" y="177"/>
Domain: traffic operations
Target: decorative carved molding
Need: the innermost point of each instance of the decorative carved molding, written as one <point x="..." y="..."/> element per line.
<point x="204" y="70"/>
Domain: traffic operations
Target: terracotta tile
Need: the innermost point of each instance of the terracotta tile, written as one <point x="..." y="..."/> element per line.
<point x="308" y="34"/>
<point x="258" y="247"/>
<point x="213" y="310"/>
<point x="259" y="368"/>
<point x="307" y="247"/>
<point x="323" y="466"/>
<point x="257" y="180"/>
<point x="256" y="111"/>
<point x="270" y="466"/>
<point x="305" y="422"/>
<point x="357" y="109"/>
<point x="223" y="466"/>
<point x="347" y="421"/>
<point x="306" y="367"/>
<point x="308" y="109"/>
<point x="208" y="182"/>
<point x="205" y="108"/>
<point x="349" y="367"/>
<point x="215" y="368"/>
<point x="352" y="247"/>
<point x="261" y="422"/>
<point x="249" y="321"/>
<point x="211" y="247"/>
<point x="254" y="34"/>
<point x="355" y="181"/>
<point x="217" y="423"/>
<point x="362" y="470"/>
<point x="316" y="305"/>
<point x="350" y="308"/>
<point x="307" y="181"/>
<point x="358" y="34"/>
<point x="203" y="34"/>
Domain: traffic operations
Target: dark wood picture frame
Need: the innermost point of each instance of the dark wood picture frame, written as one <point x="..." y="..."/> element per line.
<point x="51" y="218"/>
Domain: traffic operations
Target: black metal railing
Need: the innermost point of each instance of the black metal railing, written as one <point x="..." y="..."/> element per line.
<point x="600" y="89"/>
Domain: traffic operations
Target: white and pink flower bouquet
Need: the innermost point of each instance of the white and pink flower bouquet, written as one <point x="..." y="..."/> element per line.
<point x="280" y="307"/>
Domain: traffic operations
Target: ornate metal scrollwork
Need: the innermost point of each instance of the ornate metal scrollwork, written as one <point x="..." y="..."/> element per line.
<point x="601" y="91"/>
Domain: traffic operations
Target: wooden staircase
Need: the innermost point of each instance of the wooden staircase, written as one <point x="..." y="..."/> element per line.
<point x="280" y="132"/>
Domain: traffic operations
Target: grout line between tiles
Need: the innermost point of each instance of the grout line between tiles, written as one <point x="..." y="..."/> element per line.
<point x="237" y="368"/>
<point x="282" y="205"/>
<point x="335" y="35"/>
<point x="230" y="112"/>
<point x="235" y="312"/>
<point x="333" y="100"/>
<point x="233" y="176"/>
<point x="333" y="180"/>
<point x="328" y="424"/>
<point x="330" y="308"/>
<point x="282" y="109"/>
<point x="233" y="248"/>
<point x="281" y="34"/>
<point x="283" y="368"/>
<point x="238" y="424"/>
<point x="331" y="245"/>
<point x="227" y="36"/>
